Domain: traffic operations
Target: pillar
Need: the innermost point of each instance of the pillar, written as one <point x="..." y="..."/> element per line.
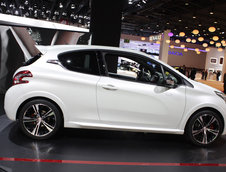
<point x="105" y="25"/>
<point x="164" y="47"/>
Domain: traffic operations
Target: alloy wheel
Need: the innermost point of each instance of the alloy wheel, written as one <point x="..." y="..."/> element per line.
<point x="39" y="120"/>
<point x="205" y="129"/>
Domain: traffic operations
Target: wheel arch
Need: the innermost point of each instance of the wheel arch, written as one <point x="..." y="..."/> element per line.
<point x="203" y="109"/>
<point x="44" y="98"/>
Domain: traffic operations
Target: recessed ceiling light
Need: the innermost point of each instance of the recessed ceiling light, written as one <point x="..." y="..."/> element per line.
<point x="211" y="12"/>
<point x="194" y="17"/>
<point x="61" y="5"/>
<point x="215" y="22"/>
<point x="72" y="6"/>
<point x="186" y="4"/>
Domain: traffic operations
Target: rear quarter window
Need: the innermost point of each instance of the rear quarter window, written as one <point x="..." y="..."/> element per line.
<point x="83" y="62"/>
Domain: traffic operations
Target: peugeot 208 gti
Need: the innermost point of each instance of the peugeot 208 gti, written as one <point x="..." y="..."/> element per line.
<point x="111" y="88"/>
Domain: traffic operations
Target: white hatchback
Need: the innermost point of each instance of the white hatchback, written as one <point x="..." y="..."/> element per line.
<point x="111" y="88"/>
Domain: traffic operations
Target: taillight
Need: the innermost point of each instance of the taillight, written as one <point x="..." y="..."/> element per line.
<point x="19" y="77"/>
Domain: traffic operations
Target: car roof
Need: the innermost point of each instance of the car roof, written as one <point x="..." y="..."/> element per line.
<point x="64" y="48"/>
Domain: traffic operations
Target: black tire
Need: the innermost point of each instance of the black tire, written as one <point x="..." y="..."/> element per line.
<point x="40" y="119"/>
<point x="204" y="128"/>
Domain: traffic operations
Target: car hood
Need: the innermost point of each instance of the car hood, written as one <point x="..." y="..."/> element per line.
<point x="203" y="87"/>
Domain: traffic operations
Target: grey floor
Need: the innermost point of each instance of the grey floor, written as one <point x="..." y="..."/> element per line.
<point x="1" y="105"/>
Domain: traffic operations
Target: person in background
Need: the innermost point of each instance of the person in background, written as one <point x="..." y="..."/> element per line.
<point x="205" y="74"/>
<point x="218" y="75"/>
<point x="224" y="83"/>
<point x="193" y="73"/>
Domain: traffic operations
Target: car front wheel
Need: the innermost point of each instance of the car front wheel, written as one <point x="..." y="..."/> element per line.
<point x="40" y="119"/>
<point x="204" y="128"/>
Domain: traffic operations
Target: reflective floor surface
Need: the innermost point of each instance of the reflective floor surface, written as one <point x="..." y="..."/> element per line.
<point x="105" y="151"/>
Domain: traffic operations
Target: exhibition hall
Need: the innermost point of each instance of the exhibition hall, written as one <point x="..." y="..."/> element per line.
<point x="112" y="85"/>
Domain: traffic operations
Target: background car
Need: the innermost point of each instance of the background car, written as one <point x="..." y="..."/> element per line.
<point x="88" y="87"/>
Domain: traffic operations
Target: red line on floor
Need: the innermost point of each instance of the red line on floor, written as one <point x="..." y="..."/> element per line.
<point x="111" y="163"/>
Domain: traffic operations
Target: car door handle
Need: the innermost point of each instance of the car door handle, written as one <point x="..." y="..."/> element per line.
<point x="109" y="87"/>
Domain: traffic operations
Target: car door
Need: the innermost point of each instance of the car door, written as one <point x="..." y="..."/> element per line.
<point x="131" y="94"/>
<point x="78" y="85"/>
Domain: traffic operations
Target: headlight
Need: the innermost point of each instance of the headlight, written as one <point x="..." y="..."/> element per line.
<point x="221" y="95"/>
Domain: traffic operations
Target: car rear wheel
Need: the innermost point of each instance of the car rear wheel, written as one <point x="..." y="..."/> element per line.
<point x="40" y="119"/>
<point x="204" y="128"/>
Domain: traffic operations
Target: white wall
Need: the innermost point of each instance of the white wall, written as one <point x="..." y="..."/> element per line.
<point x="213" y="53"/>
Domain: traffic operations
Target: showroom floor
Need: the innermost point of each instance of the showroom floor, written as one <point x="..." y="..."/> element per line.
<point x="105" y="151"/>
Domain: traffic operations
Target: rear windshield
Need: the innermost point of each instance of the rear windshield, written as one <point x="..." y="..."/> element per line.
<point x="32" y="60"/>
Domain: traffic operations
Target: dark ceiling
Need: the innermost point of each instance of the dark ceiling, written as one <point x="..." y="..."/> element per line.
<point x="140" y="17"/>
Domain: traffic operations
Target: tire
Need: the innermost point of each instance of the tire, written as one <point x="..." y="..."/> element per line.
<point x="204" y="128"/>
<point x="40" y="119"/>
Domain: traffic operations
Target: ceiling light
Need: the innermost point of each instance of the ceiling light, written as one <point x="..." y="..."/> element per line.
<point x="177" y="41"/>
<point x="215" y="22"/>
<point x="143" y="38"/>
<point x="193" y="41"/>
<point x="207" y="49"/>
<point x="188" y="40"/>
<point x="200" y="25"/>
<point x="144" y="1"/>
<point x="223" y="41"/>
<point x="220" y="49"/>
<point x="196" y="49"/>
<point x="186" y="4"/>
<point x="201" y="39"/>
<point x="194" y="17"/>
<point x="170" y="34"/>
<point x="211" y="42"/>
<point x="171" y="46"/>
<point x="167" y="41"/>
<point x="212" y="29"/>
<point x="182" y="46"/>
<point x="61" y="5"/>
<point x="181" y="34"/>
<point x="196" y="31"/>
<point x="215" y="38"/>
<point x="21" y="7"/>
<point x="218" y="44"/>
<point x="179" y="20"/>
<point x="205" y="45"/>
<point x="72" y="6"/>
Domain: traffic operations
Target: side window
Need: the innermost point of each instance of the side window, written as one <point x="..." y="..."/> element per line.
<point x="133" y="69"/>
<point x="84" y="62"/>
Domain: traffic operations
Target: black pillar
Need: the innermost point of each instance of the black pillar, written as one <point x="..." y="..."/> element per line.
<point x="105" y="26"/>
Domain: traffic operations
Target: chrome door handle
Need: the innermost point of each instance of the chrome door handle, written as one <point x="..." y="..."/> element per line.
<point x="109" y="87"/>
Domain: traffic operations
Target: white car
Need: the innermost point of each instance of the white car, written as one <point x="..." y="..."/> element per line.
<point x="90" y="87"/>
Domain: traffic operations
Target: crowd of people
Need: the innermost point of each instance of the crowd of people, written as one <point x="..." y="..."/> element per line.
<point x="191" y="72"/>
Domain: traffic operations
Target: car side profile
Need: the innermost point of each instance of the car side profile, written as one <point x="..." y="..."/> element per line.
<point x="99" y="87"/>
